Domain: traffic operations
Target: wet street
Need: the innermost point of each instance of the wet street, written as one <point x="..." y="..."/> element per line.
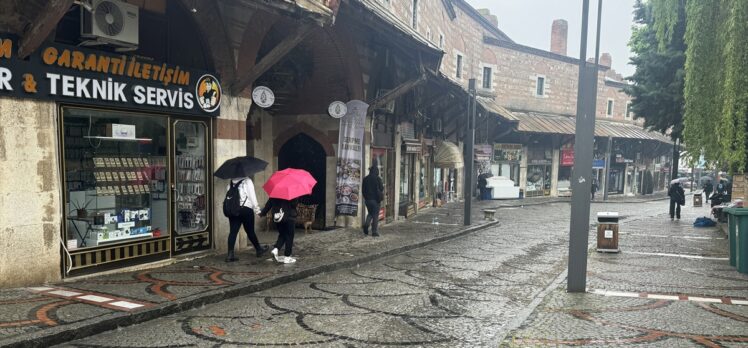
<point x="467" y="292"/>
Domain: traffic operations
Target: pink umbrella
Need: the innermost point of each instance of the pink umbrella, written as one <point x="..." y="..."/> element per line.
<point x="289" y="184"/>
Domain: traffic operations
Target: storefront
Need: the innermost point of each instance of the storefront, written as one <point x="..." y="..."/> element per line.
<point x="506" y="161"/>
<point x="411" y="152"/>
<point x="539" y="169"/>
<point x="426" y="190"/>
<point x="134" y="140"/>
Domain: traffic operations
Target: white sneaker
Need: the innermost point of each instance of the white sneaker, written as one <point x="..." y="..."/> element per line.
<point x="275" y="254"/>
<point x="288" y="259"/>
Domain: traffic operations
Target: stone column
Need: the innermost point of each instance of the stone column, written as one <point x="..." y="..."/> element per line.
<point x="554" y="172"/>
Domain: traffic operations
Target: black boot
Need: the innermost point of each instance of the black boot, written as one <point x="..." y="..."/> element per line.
<point x="230" y="257"/>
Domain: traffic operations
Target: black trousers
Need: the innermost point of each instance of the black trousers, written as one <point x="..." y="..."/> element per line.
<point x="674" y="209"/>
<point x="372" y="206"/>
<point x="246" y="218"/>
<point x="286" y="231"/>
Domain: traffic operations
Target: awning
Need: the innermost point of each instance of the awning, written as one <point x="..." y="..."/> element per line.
<point x="448" y="155"/>
<point x="492" y="107"/>
<point x="531" y="122"/>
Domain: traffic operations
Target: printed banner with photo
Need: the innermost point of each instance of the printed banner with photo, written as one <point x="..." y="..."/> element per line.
<point x="350" y="155"/>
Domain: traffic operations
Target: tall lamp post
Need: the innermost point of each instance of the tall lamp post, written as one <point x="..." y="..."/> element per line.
<point x="583" y="152"/>
<point x="468" y="153"/>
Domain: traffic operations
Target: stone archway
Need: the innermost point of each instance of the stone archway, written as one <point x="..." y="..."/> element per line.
<point x="304" y="152"/>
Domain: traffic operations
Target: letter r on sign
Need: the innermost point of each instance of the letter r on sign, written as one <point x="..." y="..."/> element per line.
<point x="5" y="77"/>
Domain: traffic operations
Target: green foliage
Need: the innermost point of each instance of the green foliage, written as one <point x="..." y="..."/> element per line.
<point x="657" y="88"/>
<point x="716" y="75"/>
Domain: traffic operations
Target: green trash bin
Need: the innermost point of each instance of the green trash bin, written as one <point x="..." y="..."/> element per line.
<point x="738" y="238"/>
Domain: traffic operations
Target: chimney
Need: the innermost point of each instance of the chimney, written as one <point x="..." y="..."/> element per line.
<point x="606" y="60"/>
<point x="559" y="32"/>
<point x="486" y="13"/>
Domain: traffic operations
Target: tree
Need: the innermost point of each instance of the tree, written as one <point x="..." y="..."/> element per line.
<point x="657" y="90"/>
<point x="716" y="99"/>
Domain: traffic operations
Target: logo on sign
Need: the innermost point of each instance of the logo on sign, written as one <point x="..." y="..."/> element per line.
<point x="263" y="97"/>
<point x="208" y="92"/>
<point x="337" y="109"/>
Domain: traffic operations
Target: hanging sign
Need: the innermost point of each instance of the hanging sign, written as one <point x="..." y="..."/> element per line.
<point x="263" y="97"/>
<point x="350" y="156"/>
<point x="85" y="76"/>
<point x="567" y="157"/>
<point x="337" y="109"/>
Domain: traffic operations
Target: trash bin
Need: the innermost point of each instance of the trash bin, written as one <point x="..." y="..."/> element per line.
<point x="607" y="232"/>
<point x="697" y="199"/>
<point x="738" y="236"/>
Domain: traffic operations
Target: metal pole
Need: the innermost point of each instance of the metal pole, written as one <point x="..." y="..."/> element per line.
<point x="581" y="180"/>
<point x="597" y="37"/>
<point x="469" y="145"/>
<point x="607" y="168"/>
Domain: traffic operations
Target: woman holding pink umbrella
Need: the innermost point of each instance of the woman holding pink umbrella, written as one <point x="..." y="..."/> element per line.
<point x="283" y="188"/>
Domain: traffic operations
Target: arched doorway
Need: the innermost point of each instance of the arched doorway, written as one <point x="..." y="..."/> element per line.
<point x="303" y="152"/>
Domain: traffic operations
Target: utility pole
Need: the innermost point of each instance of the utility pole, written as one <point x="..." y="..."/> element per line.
<point x="468" y="152"/>
<point x="607" y="167"/>
<point x="583" y="153"/>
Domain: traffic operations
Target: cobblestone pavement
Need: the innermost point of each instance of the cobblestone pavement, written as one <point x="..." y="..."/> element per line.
<point x="460" y="293"/>
<point x="671" y="286"/>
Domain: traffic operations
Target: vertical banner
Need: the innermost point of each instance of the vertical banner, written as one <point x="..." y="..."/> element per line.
<point x="350" y="156"/>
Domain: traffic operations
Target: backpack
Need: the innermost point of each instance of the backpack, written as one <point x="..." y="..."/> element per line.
<point x="232" y="204"/>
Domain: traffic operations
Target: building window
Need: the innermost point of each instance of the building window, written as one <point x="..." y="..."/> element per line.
<point x="609" y="110"/>
<point x="441" y="41"/>
<point x="458" y="73"/>
<point x="414" y="24"/>
<point x="487" y="78"/>
<point x="628" y="110"/>
<point x="540" y="86"/>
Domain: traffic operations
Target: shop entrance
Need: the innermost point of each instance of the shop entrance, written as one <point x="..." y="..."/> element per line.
<point x="303" y="152"/>
<point x="191" y="230"/>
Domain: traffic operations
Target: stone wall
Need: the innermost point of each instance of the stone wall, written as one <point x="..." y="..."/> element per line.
<point x="30" y="193"/>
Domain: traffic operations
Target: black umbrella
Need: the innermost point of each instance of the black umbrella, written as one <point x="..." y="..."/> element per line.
<point x="240" y="167"/>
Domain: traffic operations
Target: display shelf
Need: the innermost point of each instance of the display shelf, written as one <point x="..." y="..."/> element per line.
<point x="95" y="242"/>
<point x="116" y="139"/>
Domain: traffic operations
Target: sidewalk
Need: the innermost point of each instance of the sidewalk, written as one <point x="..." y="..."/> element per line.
<point x="671" y="286"/>
<point x="42" y="316"/>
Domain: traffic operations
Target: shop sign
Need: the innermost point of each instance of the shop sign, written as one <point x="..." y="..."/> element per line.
<point x="412" y="147"/>
<point x="84" y="76"/>
<point x="483" y="152"/>
<point x="567" y="157"/>
<point x="620" y="159"/>
<point x="507" y="152"/>
<point x="337" y="109"/>
<point x="263" y="97"/>
<point x="350" y="155"/>
<point x="598" y="164"/>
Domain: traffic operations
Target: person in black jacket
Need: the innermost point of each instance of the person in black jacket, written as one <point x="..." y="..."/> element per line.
<point x="373" y="190"/>
<point x="677" y="198"/>
<point x="286" y="226"/>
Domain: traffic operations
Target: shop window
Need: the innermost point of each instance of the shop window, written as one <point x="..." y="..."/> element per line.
<point x="116" y="172"/>
<point x="628" y="110"/>
<point x="190" y="177"/>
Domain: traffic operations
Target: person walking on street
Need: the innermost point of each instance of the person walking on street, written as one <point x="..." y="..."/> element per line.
<point x="246" y="202"/>
<point x="373" y="190"/>
<point x="593" y="188"/>
<point x="284" y="215"/>
<point x="708" y="188"/>
<point x="677" y="198"/>
<point x="482" y="186"/>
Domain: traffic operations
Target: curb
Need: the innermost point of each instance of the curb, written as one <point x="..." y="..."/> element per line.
<point x="89" y="327"/>
<point x="520" y="205"/>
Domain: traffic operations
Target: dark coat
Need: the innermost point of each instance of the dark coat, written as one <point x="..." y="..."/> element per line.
<point x="372" y="187"/>
<point x="677" y="194"/>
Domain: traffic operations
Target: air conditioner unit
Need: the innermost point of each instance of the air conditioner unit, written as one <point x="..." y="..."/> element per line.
<point x="389" y="107"/>
<point x="110" y="22"/>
